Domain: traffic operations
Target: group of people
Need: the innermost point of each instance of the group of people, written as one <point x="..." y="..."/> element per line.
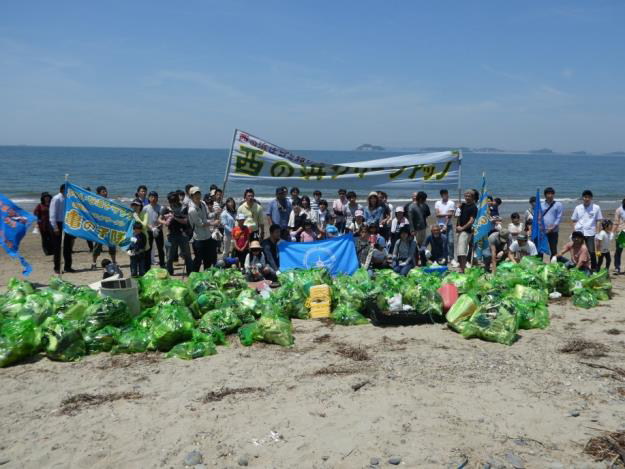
<point x="204" y="230"/>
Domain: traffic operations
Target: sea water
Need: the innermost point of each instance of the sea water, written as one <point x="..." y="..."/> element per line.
<point x="26" y="171"/>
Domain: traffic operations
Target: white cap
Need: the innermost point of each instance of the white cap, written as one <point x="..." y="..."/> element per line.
<point x="193" y="190"/>
<point x="240" y="216"/>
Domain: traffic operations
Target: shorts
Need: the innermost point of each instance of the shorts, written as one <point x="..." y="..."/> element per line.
<point x="420" y="236"/>
<point x="463" y="243"/>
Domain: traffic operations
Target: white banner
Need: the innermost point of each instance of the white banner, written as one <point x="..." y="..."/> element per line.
<point x="254" y="161"/>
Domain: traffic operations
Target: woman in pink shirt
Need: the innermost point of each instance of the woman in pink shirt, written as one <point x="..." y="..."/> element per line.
<point x="308" y="235"/>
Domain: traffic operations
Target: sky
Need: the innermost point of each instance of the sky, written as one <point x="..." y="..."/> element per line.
<point x="314" y="75"/>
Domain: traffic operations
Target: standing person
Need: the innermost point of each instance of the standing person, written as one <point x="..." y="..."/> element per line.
<point x="97" y="249"/>
<point x="321" y="216"/>
<point x="314" y="203"/>
<point x="468" y="212"/>
<point x="184" y="196"/>
<point x="279" y="211"/>
<point x="270" y="250"/>
<point x="552" y="216"/>
<point x="296" y="222"/>
<point x="351" y="208"/>
<point x="218" y="199"/>
<point x="227" y="219"/>
<point x="444" y="210"/>
<point x="529" y="214"/>
<point x="155" y="231"/>
<point x="142" y="194"/>
<point x="305" y="202"/>
<point x="139" y="215"/>
<point x="136" y="250"/>
<point x="374" y="210"/>
<point x="586" y="215"/>
<point x="339" y="207"/>
<point x="204" y="246"/>
<point x="387" y="216"/>
<point x="404" y="252"/>
<point x="603" y="244"/>
<point x="515" y="227"/>
<point x="241" y="235"/>
<point x="176" y="233"/>
<point x="619" y="227"/>
<point x="42" y="212"/>
<point x="295" y="198"/>
<point x="418" y="224"/>
<point x="57" y="214"/>
<point x="253" y="213"/>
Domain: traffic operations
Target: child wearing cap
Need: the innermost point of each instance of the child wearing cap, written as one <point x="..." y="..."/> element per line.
<point x="241" y="236"/>
<point x="359" y="222"/>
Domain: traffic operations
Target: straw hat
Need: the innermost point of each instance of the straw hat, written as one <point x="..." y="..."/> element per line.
<point x="255" y="245"/>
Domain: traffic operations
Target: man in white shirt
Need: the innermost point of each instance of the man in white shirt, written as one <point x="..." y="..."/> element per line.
<point x="445" y="210"/>
<point x="521" y="247"/>
<point x="204" y="246"/>
<point x="586" y="215"/>
<point x="57" y="214"/>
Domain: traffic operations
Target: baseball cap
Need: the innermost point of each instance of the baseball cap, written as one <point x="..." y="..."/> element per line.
<point x="359" y="213"/>
<point x="153" y="194"/>
<point x="521" y="237"/>
<point x="193" y="190"/>
<point x="372" y="193"/>
<point x="504" y="234"/>
<point x="399" y="209"/>
<point x="240" y="216"/>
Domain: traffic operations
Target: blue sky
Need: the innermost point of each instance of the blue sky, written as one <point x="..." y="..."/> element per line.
<point x="314" y="75"/>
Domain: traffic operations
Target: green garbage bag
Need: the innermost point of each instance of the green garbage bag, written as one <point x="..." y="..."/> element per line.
<point x="585" y="298"/>
<point x="19" y="339"/>
<point x="247" y="305"/>
<point x="224" y="319"/>
<point x="201" y="345"/>
<point x="249" y="333"/>
<point x="213" y="331"/>
<point x="17" y="289"/>
<point x="462" y="309"/>
<point x="64" y="339"/>
<point x="132" y="339"/>
<point x="501" y="327"/>
<point x="101" y="340"/>
<point x="555" y="277"/>
<point x="346" y="315"/>
<point x="532" y="315"/>
<point x="275" y="329"/>
<point x="171" y="325"/>
<point x="107" y="311"/>
<point x="423" y="300"/>
<point x="530" y="294"/>
<point x="35" y="306"/>
<point x="600" y="284"/>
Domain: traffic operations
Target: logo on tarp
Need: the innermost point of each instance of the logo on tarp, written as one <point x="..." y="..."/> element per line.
<point x="318" y="258"/>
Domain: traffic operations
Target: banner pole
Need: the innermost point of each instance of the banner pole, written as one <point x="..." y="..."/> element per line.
<point x="61" y="256"/>
<point x="223" y="189"/>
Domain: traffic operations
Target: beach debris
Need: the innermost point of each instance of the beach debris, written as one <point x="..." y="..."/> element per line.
<point x="360" y="384"/>
<point x="574" y="413"/>
<point x="608" y="446"/>
<point x="515" y="460"/>
<point x="613" y="331"/>
<point x="619" y="372"/>
<point x="215" y="396"/>
<point x="374" y="461"/>
<point x="73" y="404"/>
<point x="272" y="437"/>
<point x="357" y="353"/>
<point x="243" y="461"/>
<point x="193" y="458"/>
<point x="394" y="460"/>
<point x="584" y="348"/>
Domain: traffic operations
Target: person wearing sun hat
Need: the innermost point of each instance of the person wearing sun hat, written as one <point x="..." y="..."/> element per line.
<point x="255" y="263"/>
<point x="374" y="211"/>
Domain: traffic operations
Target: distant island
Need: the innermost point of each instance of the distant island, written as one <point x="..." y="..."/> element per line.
<point x="542" y="151"/>
<point x="617" y="153"/>
<point x="369" y="147"/>
<point x="581" y="152"/>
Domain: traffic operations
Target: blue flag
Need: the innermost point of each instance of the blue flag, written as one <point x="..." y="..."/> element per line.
<point x="337" y="255"/>
<point x="95" y="218"/>
<point x="14" y="223"/>
<point x="539" y="236"/>
<point x="482" y="225"/>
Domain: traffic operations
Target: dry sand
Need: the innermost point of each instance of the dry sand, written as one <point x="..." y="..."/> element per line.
<point x="339" y="397"/>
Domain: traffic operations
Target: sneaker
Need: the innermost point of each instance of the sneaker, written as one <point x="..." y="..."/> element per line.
<point x="94" y="267"/>
<point x="69" y="270"/>
<point x="455" y="264"/>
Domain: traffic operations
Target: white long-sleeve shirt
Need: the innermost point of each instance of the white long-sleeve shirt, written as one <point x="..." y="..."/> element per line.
<point x="57" y="210"/>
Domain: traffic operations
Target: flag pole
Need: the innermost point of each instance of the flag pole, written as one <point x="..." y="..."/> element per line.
<point x="223" y="189"/>
<point x="62" y="234"/>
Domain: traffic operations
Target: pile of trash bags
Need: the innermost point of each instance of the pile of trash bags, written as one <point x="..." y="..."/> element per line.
<point x="189" y="319"/>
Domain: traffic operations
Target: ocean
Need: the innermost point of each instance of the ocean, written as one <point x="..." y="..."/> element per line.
<point x="26" y="171"/>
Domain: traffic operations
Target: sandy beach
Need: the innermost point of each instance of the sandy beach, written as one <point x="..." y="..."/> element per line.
<point x="341" y="397"/>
